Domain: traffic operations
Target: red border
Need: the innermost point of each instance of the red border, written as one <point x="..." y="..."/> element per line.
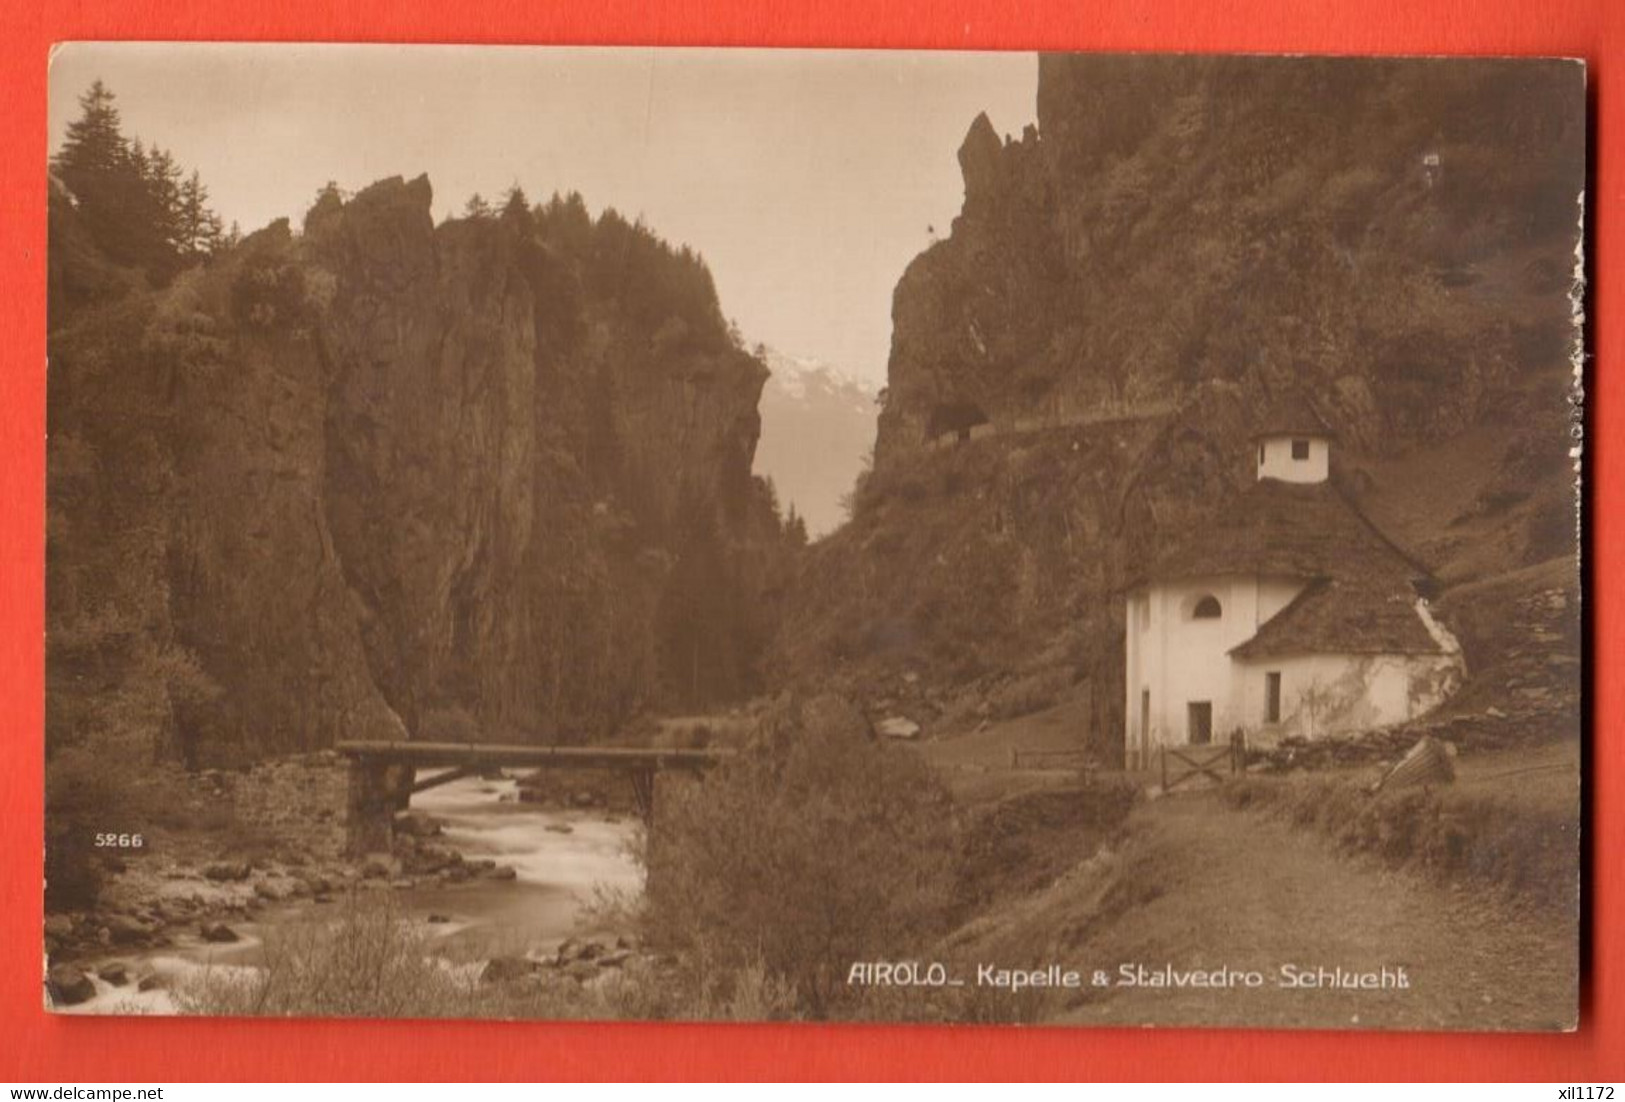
<point x="36" y="1046"/>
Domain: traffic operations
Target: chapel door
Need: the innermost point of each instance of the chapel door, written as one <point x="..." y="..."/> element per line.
<point x="1199" y="723"/>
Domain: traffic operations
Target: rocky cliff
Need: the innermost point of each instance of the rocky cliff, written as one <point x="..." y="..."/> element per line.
<point x="1075" y="370"/>
<point x="484" y="479"/>
<point x="1394" y="236"/>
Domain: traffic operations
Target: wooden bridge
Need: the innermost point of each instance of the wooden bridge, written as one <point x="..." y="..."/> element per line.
<point x="384" y="775"/>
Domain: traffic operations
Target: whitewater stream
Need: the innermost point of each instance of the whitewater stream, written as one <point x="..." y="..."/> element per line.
<point x="567" y="862"/>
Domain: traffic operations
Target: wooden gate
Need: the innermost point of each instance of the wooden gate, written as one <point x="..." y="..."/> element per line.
<point x="1197" y="761"/>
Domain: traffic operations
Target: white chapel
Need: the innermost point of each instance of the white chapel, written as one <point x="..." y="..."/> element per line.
<point x="1292" y="615"/>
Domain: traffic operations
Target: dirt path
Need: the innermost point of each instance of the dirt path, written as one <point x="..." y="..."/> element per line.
<point x="1241" y="890"/>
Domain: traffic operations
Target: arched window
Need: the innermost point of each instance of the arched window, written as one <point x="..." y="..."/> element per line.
<point x="1207" y="609"/>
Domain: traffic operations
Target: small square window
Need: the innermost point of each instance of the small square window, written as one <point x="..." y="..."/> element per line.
<point x="1300" y="449"/>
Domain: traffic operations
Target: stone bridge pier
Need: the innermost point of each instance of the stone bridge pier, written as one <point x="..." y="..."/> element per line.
<point x="383" y="776"/>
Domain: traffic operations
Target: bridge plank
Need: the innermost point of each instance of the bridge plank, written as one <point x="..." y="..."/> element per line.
<point x="433" y="754"/>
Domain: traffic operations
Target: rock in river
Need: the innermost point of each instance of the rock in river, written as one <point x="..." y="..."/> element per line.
<point x="115" y="972"/>
<point x="506" y="969"/>
<point x="68" y="985"/>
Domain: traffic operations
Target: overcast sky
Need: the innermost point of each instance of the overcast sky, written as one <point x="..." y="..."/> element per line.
<point x="807" y="179"/>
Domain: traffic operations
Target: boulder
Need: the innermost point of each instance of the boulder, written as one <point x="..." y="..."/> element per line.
<point x="218" y="933"/>
<point x="227" y="870"/>
<point x="502" y="872"/>
<point x="115" y="972"/>
<point x="273" y="890"/>
<point x="380" y="866"/>
<point x="430" y="857"/>
<point x="68" y="986"/>
<point x="125" y="930"/>
<point x="559" y="828"/>
<point x="415" y="824"/>
<point x="506" y="969"/>
<point x="59" y="926"/>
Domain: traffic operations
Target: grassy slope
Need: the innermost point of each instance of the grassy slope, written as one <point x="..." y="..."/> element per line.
<point x="1250" y="891"/>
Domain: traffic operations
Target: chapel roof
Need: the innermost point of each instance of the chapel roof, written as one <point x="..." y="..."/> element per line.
<point x="1296" y="529"/>
<point x="1292" y="414"/>
<point x="1334" y="616"/>
<point x="1360" y="594"/>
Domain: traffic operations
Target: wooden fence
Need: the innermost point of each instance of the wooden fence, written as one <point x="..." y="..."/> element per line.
<point x="1073" y="758"/>
<point x="1200" y="761"/>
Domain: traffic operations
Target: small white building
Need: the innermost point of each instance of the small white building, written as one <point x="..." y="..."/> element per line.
<point x="1291" y="615"/>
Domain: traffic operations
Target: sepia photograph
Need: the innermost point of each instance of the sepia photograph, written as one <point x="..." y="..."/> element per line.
<point x="734" y="534"/>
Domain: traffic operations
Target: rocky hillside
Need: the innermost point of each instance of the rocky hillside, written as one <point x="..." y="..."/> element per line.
<point x="1397" y="237"/>
<point x="1075" y="369"/>
<point x="490" y="478"/>
<point x="818" y="432"/>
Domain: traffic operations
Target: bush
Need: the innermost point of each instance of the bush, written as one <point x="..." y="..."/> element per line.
<point x="1029" y="693"/>
<point x="815" y="848"/>
<point x="368" y="963"/>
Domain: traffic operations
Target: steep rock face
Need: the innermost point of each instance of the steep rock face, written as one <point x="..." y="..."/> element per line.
<point x="430" y="437"/>
<point x="512" y="461"/>
<point x="257" y="585"/>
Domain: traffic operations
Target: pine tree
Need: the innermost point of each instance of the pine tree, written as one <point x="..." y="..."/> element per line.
<point x="164" y="203"/>
<point x="94" y="146"/>
<point x="128" y="195"/>
<point x="476" y="207"/>
<point x="200" y="232"/>
<point x="139" y="162"/>
<point x="516" y="206"/>
<point x="795" y="528"/>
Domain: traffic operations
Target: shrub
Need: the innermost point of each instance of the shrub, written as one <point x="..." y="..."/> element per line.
<point x="814" y="848"/>
<point x="367" y="960"/>
<point x="367" y="963"/>
<point x="1029" y="693"/>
